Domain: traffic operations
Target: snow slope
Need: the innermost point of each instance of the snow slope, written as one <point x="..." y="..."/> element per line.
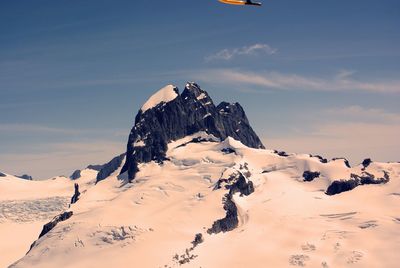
<point x="166" y="94"/>
<point x="284" y="222"/>
<point x="25" y="206"/>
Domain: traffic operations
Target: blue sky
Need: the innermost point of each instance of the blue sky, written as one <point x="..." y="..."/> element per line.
<point x="313" y="76"/>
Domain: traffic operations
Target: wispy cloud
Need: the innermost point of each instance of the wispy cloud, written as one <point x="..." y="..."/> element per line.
<point x="343" y="81"/>
<point x="228" y="54"/>
<point x="354" y="132"/>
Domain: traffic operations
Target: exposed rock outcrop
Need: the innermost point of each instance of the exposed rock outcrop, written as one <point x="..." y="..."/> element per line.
<point x="230" y="221"/>
<point x="198" y="239"/>
<point x="366" y="162"/>
<point x="338" y="187"/>
<point x="346" y="162"/>
<point x="50" y="225"/>
<point x="59" y="218"/>
<point x="310" y="175"/>
<point x="76" y="195"/>
<point x="2" y="175"/>
<point x="321" y="159"/>
<point x="281" y="153"/>
<point x="76" y="175"/>
<point x="235" y="183"/>
<point x="110" y="167"/>
<point x="186" y="114"/>
<point x="25" y="177"/>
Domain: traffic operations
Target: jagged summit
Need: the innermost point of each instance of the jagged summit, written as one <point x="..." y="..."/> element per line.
<point x="193" y="88"/>
<point x="168" y="116"/>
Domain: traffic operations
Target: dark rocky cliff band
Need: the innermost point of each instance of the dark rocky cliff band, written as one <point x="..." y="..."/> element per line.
<point x="190" y="112"/>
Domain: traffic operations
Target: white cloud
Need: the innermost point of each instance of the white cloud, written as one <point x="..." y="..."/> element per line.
<point x="281" y="81"/>
<point x="228" y="54"/>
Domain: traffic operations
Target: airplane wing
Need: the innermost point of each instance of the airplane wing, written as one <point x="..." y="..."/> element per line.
<point x="233" y="2"/>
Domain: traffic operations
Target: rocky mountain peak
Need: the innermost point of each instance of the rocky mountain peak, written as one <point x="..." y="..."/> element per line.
<point x="195" y="91"/>
<point x="168" y="115"/>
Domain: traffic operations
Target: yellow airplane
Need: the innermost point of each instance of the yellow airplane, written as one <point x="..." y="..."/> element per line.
<point x="240" y="2"/>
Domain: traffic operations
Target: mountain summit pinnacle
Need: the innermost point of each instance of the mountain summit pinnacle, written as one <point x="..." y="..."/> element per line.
<point x="168" y="115"/>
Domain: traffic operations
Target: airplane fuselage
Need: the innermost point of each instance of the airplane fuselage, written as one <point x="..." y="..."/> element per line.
<point x="240" y="2"/>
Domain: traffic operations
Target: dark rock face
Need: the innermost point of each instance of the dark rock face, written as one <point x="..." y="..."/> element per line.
<point x="230" y="221"/>
<point x="190" y="112"/>
<point x="338" y="187"/>
<point x="2" y="175"/>
<point x="228" y="151"/>
<point x="310" y="175"/>
<point x="110" y="167"/>
<point x="49" y="226"/>
<point x="235" y="183"/>
<point x="198" y="239"/>
<point x="26" y="177"/>
<point x="281" y="153"/>
<point x="241" y="186"/>
<point x="95" y="167"/>
<point x="321" y="159"/>
<point x="76" y="195"/>
<point x="366" y="163"/>
<point x="76" y="175"/>
<point x="197" y="140"/>
<point x="341" y="186"/>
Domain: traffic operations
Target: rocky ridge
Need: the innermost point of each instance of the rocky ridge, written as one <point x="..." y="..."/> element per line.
<point x="187" y="113"/>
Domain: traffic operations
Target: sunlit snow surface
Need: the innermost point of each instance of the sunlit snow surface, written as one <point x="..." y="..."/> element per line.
<point x="166" y="94"/>
<point x="286" y="222"/>
<point x="25" y="206"/>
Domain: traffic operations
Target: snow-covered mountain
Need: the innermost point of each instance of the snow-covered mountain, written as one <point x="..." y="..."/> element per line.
<point x="196" y="188"/>
<point x="168" y="116"/>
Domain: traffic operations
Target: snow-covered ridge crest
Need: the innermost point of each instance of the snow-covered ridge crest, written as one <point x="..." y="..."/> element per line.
<point x="166" y="94"/>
